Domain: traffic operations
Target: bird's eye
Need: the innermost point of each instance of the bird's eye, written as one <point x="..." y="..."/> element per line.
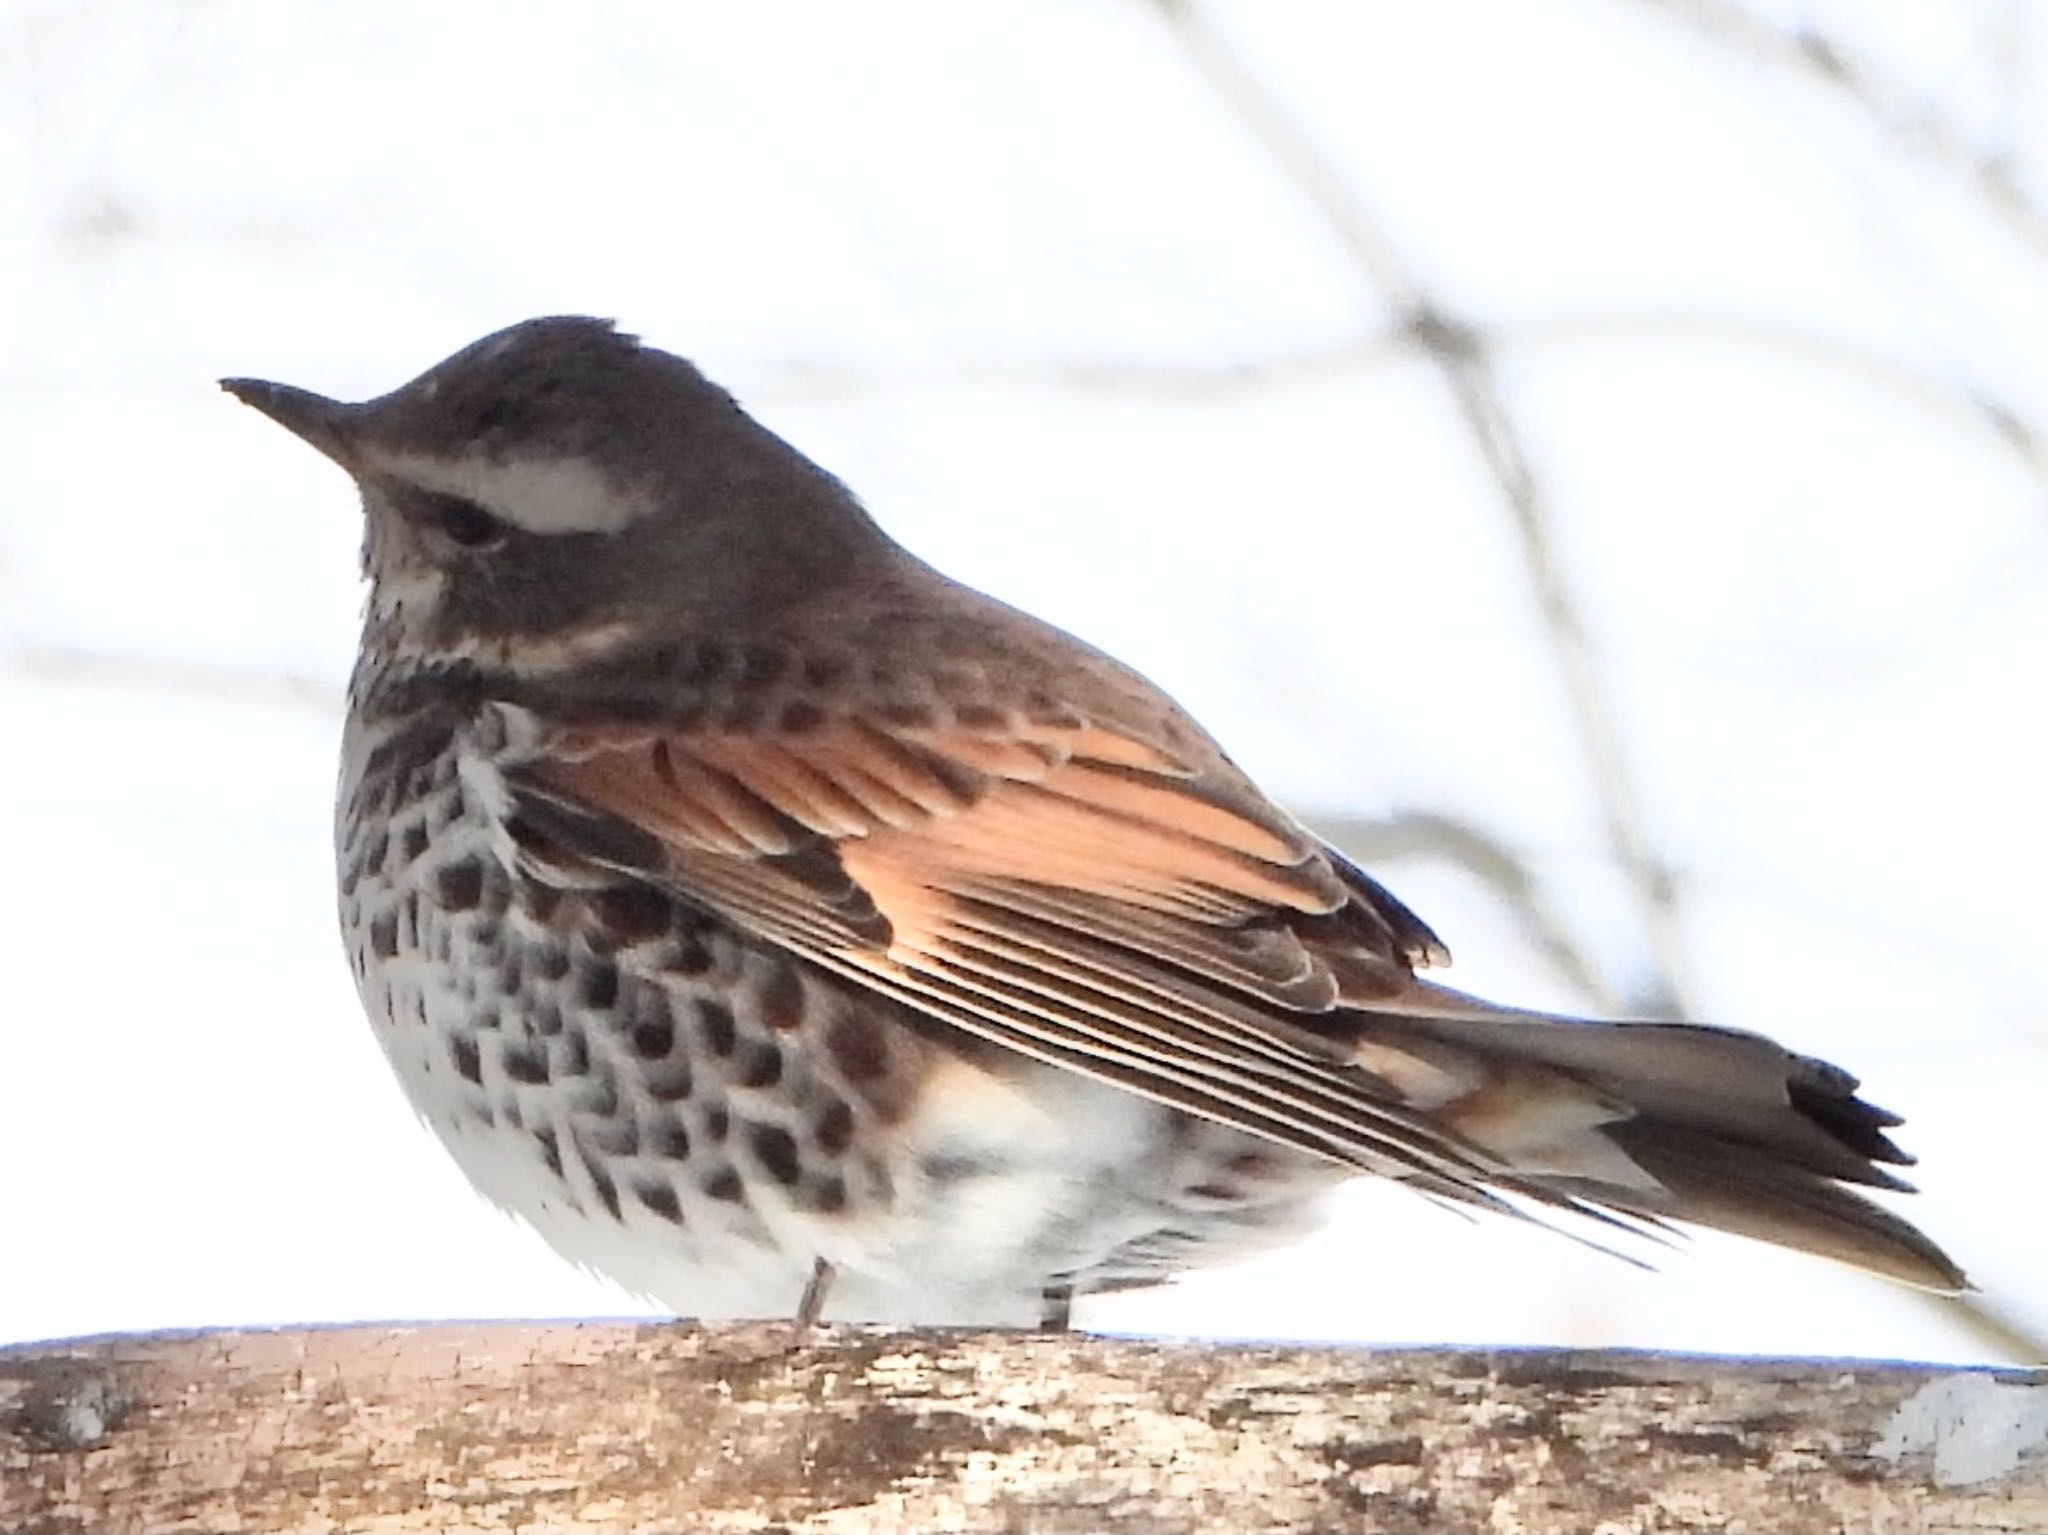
<point x="460" y="521"/>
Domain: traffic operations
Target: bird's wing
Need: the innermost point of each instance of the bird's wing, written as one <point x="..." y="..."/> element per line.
<point x="1116" y="898"/>
<point x="1062" y="886"/>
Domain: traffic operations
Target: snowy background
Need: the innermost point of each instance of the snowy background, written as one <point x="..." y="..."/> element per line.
<point x="1592" y="456"/>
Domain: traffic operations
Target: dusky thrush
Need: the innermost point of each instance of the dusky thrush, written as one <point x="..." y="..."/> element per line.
<point x="783" y="928"/>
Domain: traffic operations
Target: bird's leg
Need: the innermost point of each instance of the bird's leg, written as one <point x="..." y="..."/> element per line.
<point x="813" y="1301"/>
<point x="1056" y="1306"/>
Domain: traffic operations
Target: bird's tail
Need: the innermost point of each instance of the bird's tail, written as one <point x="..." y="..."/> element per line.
<point x="1662" y="1121"/>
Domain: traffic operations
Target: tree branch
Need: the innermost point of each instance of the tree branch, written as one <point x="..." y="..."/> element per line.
<point x="619" y="1427"/>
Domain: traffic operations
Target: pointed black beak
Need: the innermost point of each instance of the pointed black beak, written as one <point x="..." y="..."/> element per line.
<point x="313" y="417"/>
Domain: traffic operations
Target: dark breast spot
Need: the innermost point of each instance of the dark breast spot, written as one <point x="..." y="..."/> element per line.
<point x="459" y="886"/>
<point x="775" y="1149"/>
<point x="834" y="1132"/>
<point x="686" y="956"/>
<point x="654" y="1038"/>
<point x="607" y="1187"/>
<point x="716" y="1028"/>
<point x="597" y="983"/>
<point x="763" y="1068"/>
<point x="521" y="1064"/>
<point x="550" y="1149"/>
<point x="384" y="935"/>
<point x="667" y="1139"/>
<point x="462" y="1052"/>
<point x="659" y="1197"/>
<point x="781" y="999"/>
<point x="724" y="1184"/>
<point x="412" y="842"/>
<point x="669" y="1080"/>
<point x="857" y="1048"/>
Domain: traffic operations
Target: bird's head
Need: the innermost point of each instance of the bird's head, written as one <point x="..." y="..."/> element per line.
<point x="557" y="487"/>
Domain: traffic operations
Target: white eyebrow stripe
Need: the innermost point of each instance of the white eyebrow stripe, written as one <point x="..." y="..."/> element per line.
<point x="541" y="495"/>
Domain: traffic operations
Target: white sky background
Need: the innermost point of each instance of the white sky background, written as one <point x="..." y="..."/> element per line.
<point x="1033" y="284"/>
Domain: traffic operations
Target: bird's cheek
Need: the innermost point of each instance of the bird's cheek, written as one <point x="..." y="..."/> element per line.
<point x="395" y="545"/>
<point x="406" y="584"/>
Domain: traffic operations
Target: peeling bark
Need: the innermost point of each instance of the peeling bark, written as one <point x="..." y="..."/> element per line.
<point x="632" y="1427"/>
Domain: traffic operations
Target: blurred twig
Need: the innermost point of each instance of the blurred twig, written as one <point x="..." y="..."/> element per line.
<point x="797" y="380"/>
<point x="1417" y="834"/>
<point x="1823" y="57"/>
<point x="203" y="679"/>
<point x="1801" y="344"/>
<point x="1462" y="356"/>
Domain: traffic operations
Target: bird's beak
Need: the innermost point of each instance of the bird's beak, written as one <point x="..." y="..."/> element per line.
<point x="319" y="421"/>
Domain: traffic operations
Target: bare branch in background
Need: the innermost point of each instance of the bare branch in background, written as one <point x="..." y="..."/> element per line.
<point x="1796" y="344"/>
<point x="79" y="667"/>
<point x="1918" y="387"/>
<point x="1820" y="56"/>
<point x="1426" y="834"/>
<point x="1462" y="356"/>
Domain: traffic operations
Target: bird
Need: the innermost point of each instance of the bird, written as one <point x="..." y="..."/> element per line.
<point x="786" y="930"/>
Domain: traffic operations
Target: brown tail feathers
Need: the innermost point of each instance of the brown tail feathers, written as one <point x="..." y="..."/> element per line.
<point x="1666" y="1122"/>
